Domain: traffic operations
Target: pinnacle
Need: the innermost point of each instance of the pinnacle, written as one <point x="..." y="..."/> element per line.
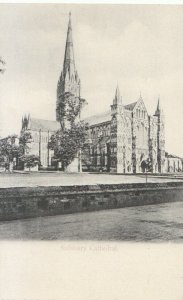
<point x="117" y="98"/>
<point x="158" y="109"/>
<point x="69" y="25"/>
<point x="117" y="92"/>
<point x="158" y="105"/>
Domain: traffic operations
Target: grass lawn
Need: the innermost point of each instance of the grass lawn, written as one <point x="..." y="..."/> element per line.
<point x="59" y="178"/>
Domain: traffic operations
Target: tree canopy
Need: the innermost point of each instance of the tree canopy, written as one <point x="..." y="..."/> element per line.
<point x="66" y="143"/>
<point x="146" y="165"/>
<point x="72" y="135"/>
<point x="10" y="150"/>
<point x="30" y="161"/>
<point x="69" y="108"/>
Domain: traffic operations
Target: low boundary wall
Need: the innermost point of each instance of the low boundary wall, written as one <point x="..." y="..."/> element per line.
<point x="18" y="203"/>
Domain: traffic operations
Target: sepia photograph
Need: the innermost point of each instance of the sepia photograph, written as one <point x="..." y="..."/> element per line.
<point x="91" y="120"/>
<point x="91" y="148"/>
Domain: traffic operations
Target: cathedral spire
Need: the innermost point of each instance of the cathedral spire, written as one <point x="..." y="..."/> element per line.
<point x="69" y="64"/>
<point x="69" y="81"/>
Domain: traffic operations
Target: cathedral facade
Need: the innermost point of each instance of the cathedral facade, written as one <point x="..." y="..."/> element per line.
<point x="126" y="136"/>
<point x="120" y="139"/>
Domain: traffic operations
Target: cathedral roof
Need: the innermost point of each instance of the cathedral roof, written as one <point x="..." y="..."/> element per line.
<point x="98" y="119"/>
<point x="44" y="125"/>
<point x="105" y="117"/>
<point x="130" y="106"/>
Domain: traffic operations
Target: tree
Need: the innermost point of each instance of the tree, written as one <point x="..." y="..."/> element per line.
<point x="2" y="63"/>
<point x="69" y="108"/>
<point x="146" y="165"/>
<point x="9" y="150"/>
<point x="70" y="140"/>
<point x="24" y="141"/>
<point x="30" y="161"/>
<point x="66" y="143"/>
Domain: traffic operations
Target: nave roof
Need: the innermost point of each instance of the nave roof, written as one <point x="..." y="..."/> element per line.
<point x="44" y="125"/>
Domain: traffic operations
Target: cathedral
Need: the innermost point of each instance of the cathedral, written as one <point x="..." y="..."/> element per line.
<point x="121" y="139"/>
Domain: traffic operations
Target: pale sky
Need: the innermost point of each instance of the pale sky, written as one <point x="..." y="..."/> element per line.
<point x="140" y="47"/>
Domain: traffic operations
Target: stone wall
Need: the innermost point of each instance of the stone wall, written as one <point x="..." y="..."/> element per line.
<point x="17" y="203"/>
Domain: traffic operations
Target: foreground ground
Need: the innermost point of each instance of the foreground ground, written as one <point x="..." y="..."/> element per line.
<point x="163" y="222"/>
<point x="156" y="223"/>
<point x="58" y="178"/>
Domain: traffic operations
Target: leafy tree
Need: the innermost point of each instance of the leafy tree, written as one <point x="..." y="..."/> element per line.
<point x="70" y="140"/>
<point x="30" y="161"/>
<point x="146" y="165"/>
<point x="69" y="108"/>
<point x="67" y="143"/>
<point x="9" y="150"/>
<point x="26" y="159"/>
<point x="2" y="63"/>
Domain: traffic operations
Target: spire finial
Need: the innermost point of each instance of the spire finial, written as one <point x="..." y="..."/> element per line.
<point x="158" y="105"/>
<point x="69" y="19"/>
<point x="117" y="98"/>
<point x="69" y="65"/>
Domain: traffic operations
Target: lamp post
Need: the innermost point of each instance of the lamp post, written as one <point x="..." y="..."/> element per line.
<point x="146" y="166"/>
<point x="146" y="174"/>
<point x="79" y="161"/>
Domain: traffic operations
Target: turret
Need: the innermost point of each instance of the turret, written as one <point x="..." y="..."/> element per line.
<point x="25" y="122"/>
<point x="118" y="161"/>
<point x="117" y="102"/>
<point x="160" y="137"/>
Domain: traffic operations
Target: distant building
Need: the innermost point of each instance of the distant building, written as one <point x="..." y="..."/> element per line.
<point x="173" y="164"/>
<point x="121" y="139"/>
